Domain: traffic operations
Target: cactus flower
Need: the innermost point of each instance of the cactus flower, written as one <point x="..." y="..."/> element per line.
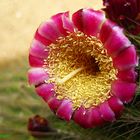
<point x="83" y="68"/>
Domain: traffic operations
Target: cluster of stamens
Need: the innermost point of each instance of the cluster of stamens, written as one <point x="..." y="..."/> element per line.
<point x="81" y="69"/>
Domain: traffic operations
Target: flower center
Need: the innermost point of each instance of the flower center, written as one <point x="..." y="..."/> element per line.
<point x="81" y="69"/>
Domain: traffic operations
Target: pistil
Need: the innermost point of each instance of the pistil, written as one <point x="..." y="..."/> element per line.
<point x="69" y="76"/>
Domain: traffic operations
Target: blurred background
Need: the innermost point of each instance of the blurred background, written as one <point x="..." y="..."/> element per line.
<point x="18" y="101"/>
<point x="20" y="19"/>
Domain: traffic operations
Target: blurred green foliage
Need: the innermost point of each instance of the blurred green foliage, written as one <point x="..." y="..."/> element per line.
<point x="18" y="102"/>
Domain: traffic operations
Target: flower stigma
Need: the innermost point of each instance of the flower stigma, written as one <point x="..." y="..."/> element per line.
<point x="80" y="69"/>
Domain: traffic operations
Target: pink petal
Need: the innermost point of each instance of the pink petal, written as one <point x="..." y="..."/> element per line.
<point x="63" y="22"/>
<point x="88" y="21"/>
<point x="35" y="61"/>
<point x="54" y="103"/>
<point x="117" y="42"/>
<point x="83" y="117"/>
<point x="79" y="116"/>
<point x="116" y="105"/>
<point x="58" y="20"/>
<point x="77" y="19"/>
<point x="126" y="59"/>
<point x="42" y="39"/>
<point x="123" y="90"/>
<point x="38" y="49"/>
<point x="65" y="110"/>
<point x="46" y="91"/>
<point x="92" y="21"/>
<point x="127" y="75"/>
<point x="67" y="24"/>
<point x="92" y="118"/>
<point x="97" y="119"/>
<point x="106" y="112"/>
<point x="88" y="118"/>
<point x="37" y="76"/>
<point x="106" y="30"/>
<point x="49" y="30"/>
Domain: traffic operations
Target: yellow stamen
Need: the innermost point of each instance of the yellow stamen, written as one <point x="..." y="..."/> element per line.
<point x="81" y="69"/>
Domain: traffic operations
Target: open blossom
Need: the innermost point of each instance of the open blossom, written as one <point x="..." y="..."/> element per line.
<point x="125" y="12"/>
<point x="83" y="68"/>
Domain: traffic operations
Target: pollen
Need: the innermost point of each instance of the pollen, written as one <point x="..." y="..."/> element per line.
<point x="81" y="69"/>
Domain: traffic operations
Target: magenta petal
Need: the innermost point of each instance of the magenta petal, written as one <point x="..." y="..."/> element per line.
<point x="67" y="24"/>
<point x="92" y="21"/>
<point x="35" y="62"/>
<point x="46" y="91"/>
<point x="54" y="103"/>
<point x="116" y="105"/>
<point x="126" y="59"/>
<point x="127" y="75"/>
<point x="106" y="30"/>
<point x="117" y="42"/>
<point x="63" y="22"/>
<point x="79" y="116"/>
<point x="106" y="112"/>
<point x="96" y="116"/>
<point x="37" y="76"/>
<point x="77" y="19"/>
<point x="87" y="118"/>
<point x="83" y="117"/>
<point x="38" y="49"/>
<point x="42" y="39"/>
<point x="65" y="110"/>
<point x="49" y="30"/>
<point x="58" y="20"/>
<point x="92" y="118"/>
<point x="88" y="21"/>
<point x="123" y="90"/>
